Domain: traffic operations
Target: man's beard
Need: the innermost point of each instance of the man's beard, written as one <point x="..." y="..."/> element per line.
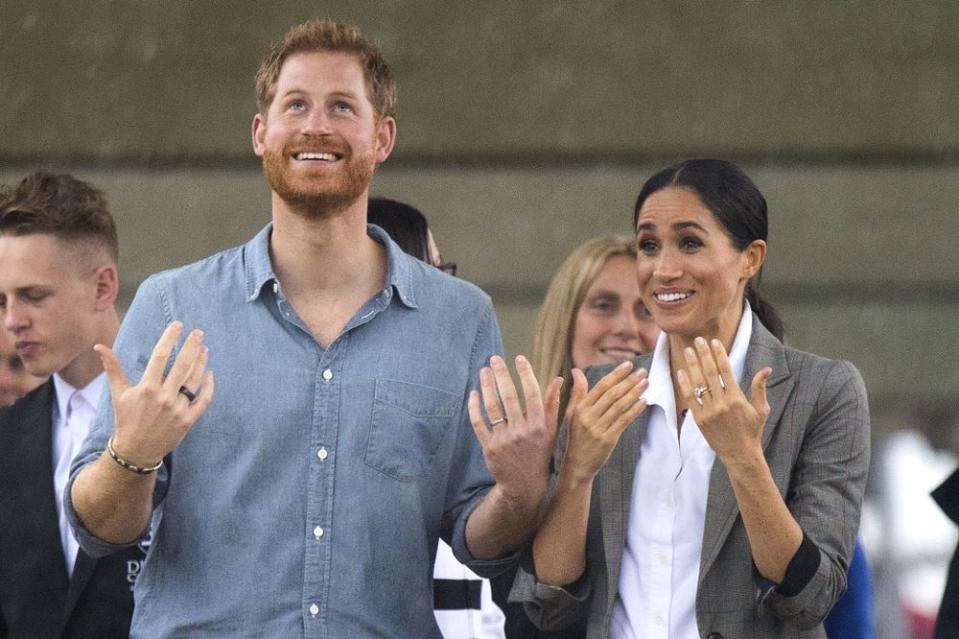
<point x="318" y="196"/>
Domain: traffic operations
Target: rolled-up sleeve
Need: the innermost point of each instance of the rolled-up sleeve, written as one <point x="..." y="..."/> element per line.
<point x="144" y="323"/>
<point x="474" y="480"/>
<point x="550" y="607"/>
<point x="825" y="496"/>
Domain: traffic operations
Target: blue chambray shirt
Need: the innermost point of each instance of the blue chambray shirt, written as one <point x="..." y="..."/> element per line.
<point x="307" y="501"/>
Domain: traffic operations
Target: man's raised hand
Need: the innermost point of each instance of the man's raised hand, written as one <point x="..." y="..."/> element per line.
<point x="517" y="445"/>
<point x="153" y="416"/>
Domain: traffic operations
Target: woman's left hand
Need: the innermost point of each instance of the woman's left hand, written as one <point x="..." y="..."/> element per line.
<point x="731" y="424"/>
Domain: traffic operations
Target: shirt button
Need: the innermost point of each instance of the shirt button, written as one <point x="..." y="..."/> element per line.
<point x="317" y="532"/>
<point x="663" y="559"/>
<point x="322" y="454"/>
<point x="327" y="374"/>
<point x="314" y="609"/>
<point x="659" y="620"/>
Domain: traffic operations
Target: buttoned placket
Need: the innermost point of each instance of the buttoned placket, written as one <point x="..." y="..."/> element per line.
<point x="319" y="507"/>
<point x="323" y="436"/>
<point x="319" y="501"/>
<point x="661" y="568"/>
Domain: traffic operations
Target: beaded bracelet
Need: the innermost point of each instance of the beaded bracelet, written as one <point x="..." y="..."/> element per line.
<point x="131" y="467"/>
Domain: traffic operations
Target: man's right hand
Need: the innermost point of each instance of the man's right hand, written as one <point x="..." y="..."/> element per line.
<point x="154" y="416"/>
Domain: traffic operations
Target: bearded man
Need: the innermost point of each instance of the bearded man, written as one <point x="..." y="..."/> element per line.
<point x="306" y="497"/>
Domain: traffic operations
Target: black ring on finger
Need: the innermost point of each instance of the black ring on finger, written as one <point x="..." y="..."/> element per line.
<point x="186" y="392"/>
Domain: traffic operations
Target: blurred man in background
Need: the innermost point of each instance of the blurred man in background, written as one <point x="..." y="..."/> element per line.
<point x="58" y="286"/>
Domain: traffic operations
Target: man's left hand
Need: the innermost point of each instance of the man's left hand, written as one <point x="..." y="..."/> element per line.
<point x="517" y="445"/>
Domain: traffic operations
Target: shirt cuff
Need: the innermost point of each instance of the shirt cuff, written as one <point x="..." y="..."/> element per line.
<point x="578" y="589"/>
<point x="486" y="568"/>
<point x="801" y="569"/>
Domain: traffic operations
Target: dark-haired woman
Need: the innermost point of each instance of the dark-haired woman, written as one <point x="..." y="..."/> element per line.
<point x="730" y="507"/>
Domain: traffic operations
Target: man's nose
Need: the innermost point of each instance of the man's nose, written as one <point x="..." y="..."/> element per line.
<point x="317" y="122"/>
<point x="14" y="317"/>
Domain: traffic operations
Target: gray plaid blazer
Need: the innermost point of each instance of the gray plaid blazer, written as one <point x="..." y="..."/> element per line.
<point x="816" y="442"/>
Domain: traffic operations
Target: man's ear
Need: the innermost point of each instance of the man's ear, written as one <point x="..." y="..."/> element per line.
<point x="107" y="286"/>
<point x="755" y="255"/>
<point x="385" y="138"/>
<point x="258" y="131"/>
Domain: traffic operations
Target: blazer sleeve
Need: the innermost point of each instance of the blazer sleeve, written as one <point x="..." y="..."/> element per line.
<point x="550" y="607"/>
<point x="825" y="492"/>
<point x="554" y="607"/>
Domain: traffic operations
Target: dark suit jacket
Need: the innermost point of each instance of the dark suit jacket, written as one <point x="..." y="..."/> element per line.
<point x="816" y="441"/>
<point x="947" y="623"/>
<point x="37" y="600"/>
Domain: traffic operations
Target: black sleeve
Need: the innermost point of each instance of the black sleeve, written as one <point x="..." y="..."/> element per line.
<point x="801" y="569"/>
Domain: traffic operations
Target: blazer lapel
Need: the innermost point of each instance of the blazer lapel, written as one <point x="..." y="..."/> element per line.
<point x="721" y="508"/>
<point x="36" y="493"/>
<point x="614" y="486"/>
<point x="82" y="571"/>
<point x="616" y="490"/>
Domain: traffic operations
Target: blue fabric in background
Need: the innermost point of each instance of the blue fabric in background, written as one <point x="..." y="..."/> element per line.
<point x="851" y="617"/>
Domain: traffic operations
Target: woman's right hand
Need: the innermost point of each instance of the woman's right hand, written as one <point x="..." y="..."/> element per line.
<point x="599" y="417"/>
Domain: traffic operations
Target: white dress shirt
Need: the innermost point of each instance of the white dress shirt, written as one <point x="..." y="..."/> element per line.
<point x="72" y="416"/>
<point x="664" y="537"/>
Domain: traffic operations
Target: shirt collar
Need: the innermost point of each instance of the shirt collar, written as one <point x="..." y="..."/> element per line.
<point x="259" y="268"/>
<point x="91" y="392"/>
<point x="660" y="391"/>
<point x="399" y="266"/>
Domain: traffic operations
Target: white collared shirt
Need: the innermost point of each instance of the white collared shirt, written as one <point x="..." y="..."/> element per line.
<point x="664" y="538"/>
<point x="72" y="416"/>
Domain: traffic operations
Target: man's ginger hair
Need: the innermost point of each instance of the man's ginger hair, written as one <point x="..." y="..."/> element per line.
<point x="327" y="35"/>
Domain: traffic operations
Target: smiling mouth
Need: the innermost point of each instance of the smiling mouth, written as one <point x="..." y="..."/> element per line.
<point x="620" y="353"/>
<point x="322" y="156"/>
<point x="675" y="296"/>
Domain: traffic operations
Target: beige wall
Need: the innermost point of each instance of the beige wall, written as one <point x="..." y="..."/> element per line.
<point x="527" y="127"/>
<point x="171" y="79"/>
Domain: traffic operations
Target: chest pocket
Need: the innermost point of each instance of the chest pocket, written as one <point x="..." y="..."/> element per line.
<point x="408" y="426"/>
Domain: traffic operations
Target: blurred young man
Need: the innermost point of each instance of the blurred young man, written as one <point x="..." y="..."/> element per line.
<point x="305" y="497"/>
<point x="58" y="285"/>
